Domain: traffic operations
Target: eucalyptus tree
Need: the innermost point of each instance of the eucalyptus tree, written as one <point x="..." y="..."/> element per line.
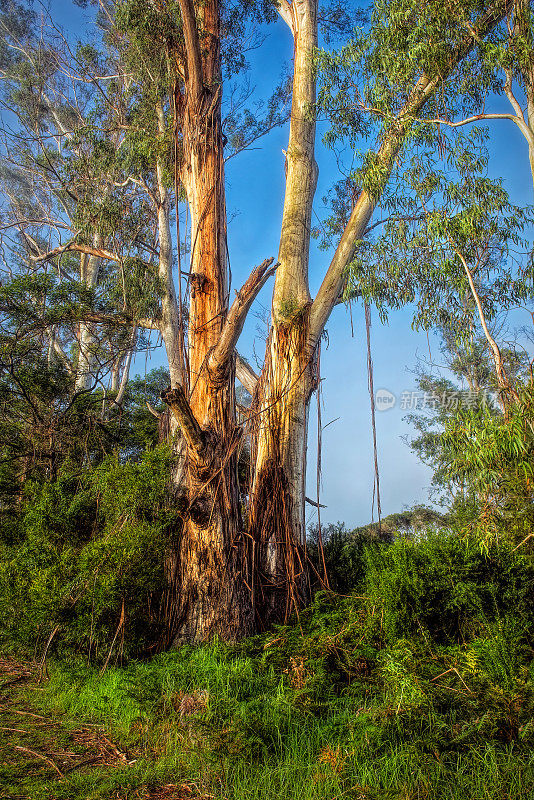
<point x="174" y="60"/>
<point x="401" y="61"/>
<point x="456" y="248"/>
<point x="404" y="62"/>
<point x="65" y="196"/>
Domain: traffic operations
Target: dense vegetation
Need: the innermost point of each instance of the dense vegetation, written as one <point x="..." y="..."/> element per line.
<point x="417" y="683"/>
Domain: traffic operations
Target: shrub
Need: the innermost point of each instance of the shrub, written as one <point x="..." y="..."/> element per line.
<point x="89" y="557"/>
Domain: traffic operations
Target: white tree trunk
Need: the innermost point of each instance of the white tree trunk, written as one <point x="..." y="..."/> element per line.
<point x="88" y="342"/>
<point x="277" y="521"/>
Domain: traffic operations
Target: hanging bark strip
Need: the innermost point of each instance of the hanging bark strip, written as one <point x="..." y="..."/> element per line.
<point x="370" y="383"/>
<point x="324" y="577"/>
<point x="279" y="457"/>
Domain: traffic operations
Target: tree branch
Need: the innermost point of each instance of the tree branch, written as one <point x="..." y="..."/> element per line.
<point x="153" y="410"/>
<point x="63" y="357"/>
<point x="516" y="119"/>
<point x="511" y="96"/>
<point x="115" y="319"/>
<point x="314" y="503"/>
<point x="502" y="377"/>
<point x="245" y="374"/>
<point x="126" y="369"/>
<point x="386" y="156"/>
<point x="96" y="252"/>
<point x="193" y="434"/>
<point x="218" y="361"/>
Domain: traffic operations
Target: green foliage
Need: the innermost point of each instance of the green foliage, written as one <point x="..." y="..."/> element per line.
<point x="490" y="456"/>
<point x="345" y="553"/>
<point x="366" y="82"/>
<point x="439" y="222"/>
<point x="138" y="426"/>
<point x="446" y="586"/>
<point x="342" y="551"/>
<point x="88" y="546"/>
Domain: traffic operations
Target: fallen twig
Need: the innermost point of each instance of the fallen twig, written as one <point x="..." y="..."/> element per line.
<point x="15" y="730"/>
<point x="15" y="680"/>
<point x="26" y="713"/>
<point x="43" y="758"/>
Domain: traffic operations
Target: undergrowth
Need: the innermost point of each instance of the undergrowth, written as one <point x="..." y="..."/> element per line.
<point x="417" y="684"/>
<point x="83" y="559"/>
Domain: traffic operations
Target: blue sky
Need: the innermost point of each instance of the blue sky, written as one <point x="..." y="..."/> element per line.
<point x="255" y="191"/>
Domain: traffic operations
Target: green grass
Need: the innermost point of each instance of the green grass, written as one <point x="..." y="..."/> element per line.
<point x="361" y="698"/>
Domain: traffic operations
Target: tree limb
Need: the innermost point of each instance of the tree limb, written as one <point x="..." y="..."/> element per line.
<point x="502" y="377"/>
<point x="58" y="350"/>
<point x="515" y="118"/>
<point x="153" y="410"/>
<point x="218" y="361"/>
<point x="115" y="319"/>
<point x="96" y="252"/>
<point x="193" y="434"/>
<point x="364" y="207"/>
<point x="511" y="96"/>
<point x="245" y="374"/>
<point x="126" y="369"/>
<point x="314" y="503"/>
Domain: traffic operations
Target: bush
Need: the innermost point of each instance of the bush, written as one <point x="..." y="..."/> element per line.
<point x="447" y="586"/>
<point x="88" y="557"/>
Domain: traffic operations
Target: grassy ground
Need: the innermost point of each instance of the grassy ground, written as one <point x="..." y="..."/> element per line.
<point x="51" y="755"/>
<point x="419" y="684"/>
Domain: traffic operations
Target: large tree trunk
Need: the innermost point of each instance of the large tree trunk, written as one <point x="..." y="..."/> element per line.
<point x="277" y="522"/>
<point x="212" y="598"/>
